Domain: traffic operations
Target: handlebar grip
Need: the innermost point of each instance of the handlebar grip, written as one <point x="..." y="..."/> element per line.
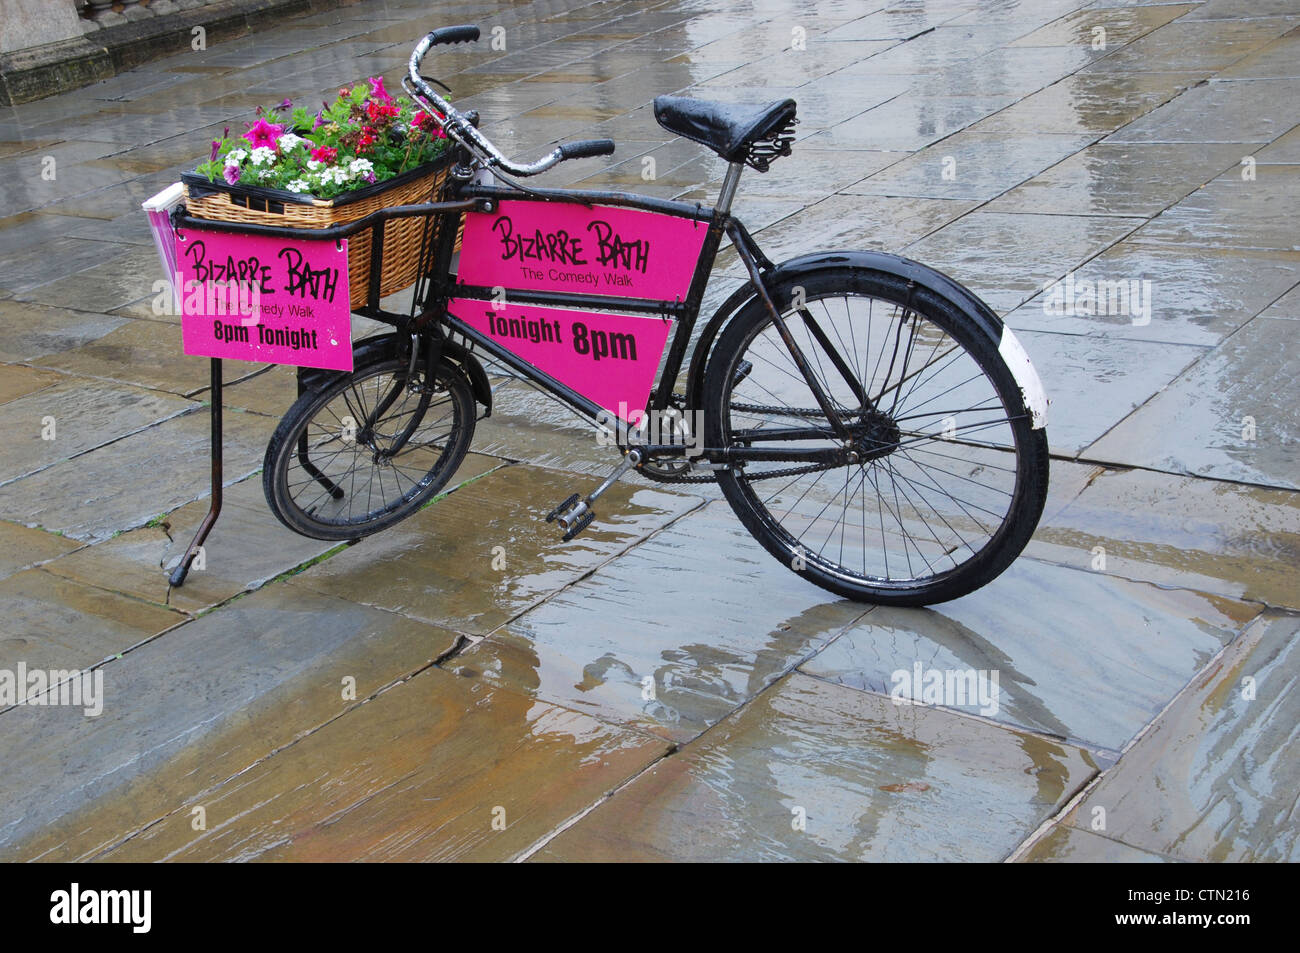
<point x="453" y="34"/>
<point x="586" y="148"/>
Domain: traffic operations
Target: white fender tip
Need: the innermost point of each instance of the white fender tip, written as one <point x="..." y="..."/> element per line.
<point x="1026" y="377"/>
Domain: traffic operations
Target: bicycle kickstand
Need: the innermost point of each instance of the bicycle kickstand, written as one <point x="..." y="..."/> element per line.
<point x="575" y="514"/>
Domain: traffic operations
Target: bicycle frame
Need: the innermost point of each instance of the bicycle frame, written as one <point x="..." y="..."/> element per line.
<point x="436" y="287"/>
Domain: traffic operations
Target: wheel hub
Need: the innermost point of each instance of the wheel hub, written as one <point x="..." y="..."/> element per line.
<point x="875" y="435"/>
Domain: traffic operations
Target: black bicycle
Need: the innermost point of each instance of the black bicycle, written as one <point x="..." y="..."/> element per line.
<point x="872" y="422"/>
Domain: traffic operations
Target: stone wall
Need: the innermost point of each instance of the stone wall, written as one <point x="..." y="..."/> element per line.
<point x="52" y="46"/>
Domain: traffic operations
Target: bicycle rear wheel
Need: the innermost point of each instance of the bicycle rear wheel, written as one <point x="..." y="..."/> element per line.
<point x="950" y="478"/>
<point x="368" y="449"/>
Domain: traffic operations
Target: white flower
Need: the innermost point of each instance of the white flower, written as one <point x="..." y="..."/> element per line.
<point x="313" y="164"/>
<point x="360" y="166"/>
<point x="235" y="156"/>
<point x="334" y="176"/>
<point x="289" y="140"/>
<point x="262" y="155"/>
<point x="298" y="185"/>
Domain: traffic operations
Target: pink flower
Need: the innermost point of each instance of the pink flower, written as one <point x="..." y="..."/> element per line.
<point x="216" y="147"/>
<point x="320" y="121"/>
<point x="324" y="154"/>
<point x="377" y="90"/>
<point x="232" y="174"/>
<point x="369" y="177"/>
<point x="264" y="134"/>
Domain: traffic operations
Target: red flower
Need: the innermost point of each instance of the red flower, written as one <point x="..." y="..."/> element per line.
<point x="425" y="122"/>
<point x="324" y="154"/>
<point x="367" y="138"/>
<point x="377" y="111"/>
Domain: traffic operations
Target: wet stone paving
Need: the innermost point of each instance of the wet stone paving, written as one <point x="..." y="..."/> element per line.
<point x="466" y="686"/>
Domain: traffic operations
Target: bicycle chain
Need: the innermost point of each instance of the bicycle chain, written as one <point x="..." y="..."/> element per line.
<point x="660" y="477"/>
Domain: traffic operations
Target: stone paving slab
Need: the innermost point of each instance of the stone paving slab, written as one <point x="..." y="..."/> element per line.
<point x="1007" y="259"/>
<point x="853" y="221"/>
<point x="126" y="483"/>
<point x="145" y="353"/>
<point x="1092" y="382"/>
<point x="1284" y="150"/>
<point x="22" y="547"/>
<point x="416" y="774"/>
<point x="678" y="610"/>
<point x="1276" y="60"/>
<point x="1088" y="104"/>
<point x="83" y="415"/>
<point x="1193" y="297"/>
<point x="1235" y="9"/>
<point x="1071" y="845"/>
<point x="1113" y="178"/>
<point x="1215" y="778"/>
<point x="867" y="781"/>
<point x="1081" y="655"/>
<point x="17" y="381"/>
<point x="103" y="288"/>
<point x="1121" y="24"/>
<point x="1226" y="539"/>
<point x="1232" y="212"/>
<point x="30" y="331"/>
<point x="1220" y="112"/>
<point x="910" y="122"/>
<point x="56" y="623"/>
<point x="185" y="713"/>
<point x="1287" y="306"/>
<point x="247" y="548"/>
<point x="438" y="565"/>
<point x="1197" y="424"/>
<point x="1192" y="44"/>
<point x="973" y="165"/>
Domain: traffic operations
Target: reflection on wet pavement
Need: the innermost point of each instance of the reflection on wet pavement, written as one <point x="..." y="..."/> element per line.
<point x="466" y="686"/>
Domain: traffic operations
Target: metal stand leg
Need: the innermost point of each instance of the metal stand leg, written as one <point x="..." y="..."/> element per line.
<point x="214" y="509"/>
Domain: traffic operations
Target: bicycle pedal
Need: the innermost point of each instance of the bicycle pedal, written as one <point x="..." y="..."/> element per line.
<point x="563" y="508"/>
<point x="578" y="525"/>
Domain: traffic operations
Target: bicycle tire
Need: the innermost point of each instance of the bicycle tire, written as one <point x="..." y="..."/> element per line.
<point x="732" y="379"/>
<point x="357" y="466"/>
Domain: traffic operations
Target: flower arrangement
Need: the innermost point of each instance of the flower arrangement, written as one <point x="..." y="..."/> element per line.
<point x="364" y="136"/>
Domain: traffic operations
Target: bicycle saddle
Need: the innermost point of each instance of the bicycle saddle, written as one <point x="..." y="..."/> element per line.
<point x="746" y="134"/>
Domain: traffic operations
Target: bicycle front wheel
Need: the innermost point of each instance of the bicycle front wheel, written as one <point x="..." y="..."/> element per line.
<point x="368" y="449"/>
<point x="946" y="479"/>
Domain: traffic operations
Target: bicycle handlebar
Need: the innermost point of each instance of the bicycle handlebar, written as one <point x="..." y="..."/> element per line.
<point x="457" y="125"/>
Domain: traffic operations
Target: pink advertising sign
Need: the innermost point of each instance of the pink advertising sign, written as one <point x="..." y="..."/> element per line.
<point x="567" y="247"/>
<point x="609" y="358"/>
<point x="270" y="300"/>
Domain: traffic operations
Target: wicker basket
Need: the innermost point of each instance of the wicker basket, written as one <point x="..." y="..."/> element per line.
<point x="402" y="237"/>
